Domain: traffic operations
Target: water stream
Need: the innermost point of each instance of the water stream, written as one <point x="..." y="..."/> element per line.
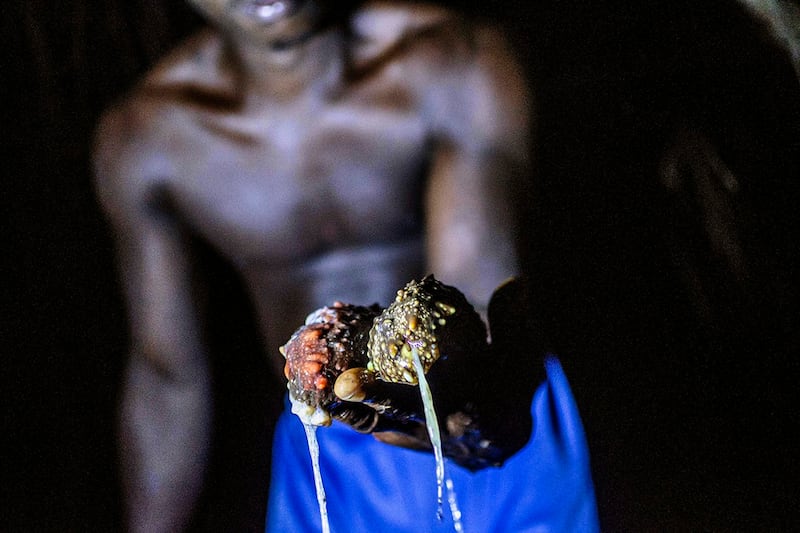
<point x="313" y="448"/>
<point x="432" y="423"/>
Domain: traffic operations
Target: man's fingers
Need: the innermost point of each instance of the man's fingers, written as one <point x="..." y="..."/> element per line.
<point x="391" y="411"/>
<point x="359" y="416"/>
<point x="396" y="399"/>
<point x="414" y="438"/>
<point x="366" y="419"/>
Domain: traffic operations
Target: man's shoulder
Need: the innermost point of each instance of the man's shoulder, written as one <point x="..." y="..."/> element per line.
<point x="131" y="144"/>
<point x="393" y="17"/>
<point x="133" y="127"/>
<point x="123" y="155"/>
<point x="197" y="61"/>
<point x="157" y="107"/>
<point x="414" y="30"/>
<point x="187" y="72"/>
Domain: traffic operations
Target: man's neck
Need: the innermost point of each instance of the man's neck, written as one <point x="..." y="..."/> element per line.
<point x="307" y="65"/>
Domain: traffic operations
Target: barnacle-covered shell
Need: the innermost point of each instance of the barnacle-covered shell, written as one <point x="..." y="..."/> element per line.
<point x="430" y="316"/>
<point x="332" y="340"/>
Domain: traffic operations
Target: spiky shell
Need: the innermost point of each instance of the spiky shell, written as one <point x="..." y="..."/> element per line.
<point x="430" y="316"/>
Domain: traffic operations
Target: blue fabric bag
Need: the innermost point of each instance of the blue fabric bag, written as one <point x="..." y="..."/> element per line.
<point x="375" y="487"/>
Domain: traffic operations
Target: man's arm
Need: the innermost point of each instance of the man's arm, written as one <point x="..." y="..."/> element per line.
<point x="166" y="406"/>
<point x="482" y="151"/>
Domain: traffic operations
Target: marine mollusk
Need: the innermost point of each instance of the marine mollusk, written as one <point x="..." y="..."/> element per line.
<point x="332" y="340"/>
<point x="430" y="316"/>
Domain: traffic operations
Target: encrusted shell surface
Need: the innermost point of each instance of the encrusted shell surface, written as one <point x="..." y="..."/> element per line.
<point x="332" y="340"/>
<point x="429" y="316"/>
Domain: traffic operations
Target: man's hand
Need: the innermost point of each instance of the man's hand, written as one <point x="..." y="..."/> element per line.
<point x="482" y="400"/>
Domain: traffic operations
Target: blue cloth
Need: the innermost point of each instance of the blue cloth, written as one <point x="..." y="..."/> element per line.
<point x="372" y="486"/>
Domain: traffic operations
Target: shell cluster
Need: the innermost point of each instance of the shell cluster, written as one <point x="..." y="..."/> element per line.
<point x="428" y="316"/>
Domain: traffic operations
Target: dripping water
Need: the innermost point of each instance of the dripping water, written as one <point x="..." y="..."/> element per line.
<point x="455" y="511"/>
<point x="432" y="423"/>
<point x="313" y="448"/>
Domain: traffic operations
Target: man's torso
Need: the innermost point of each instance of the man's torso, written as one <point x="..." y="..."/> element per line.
<point x="313" y="200"/>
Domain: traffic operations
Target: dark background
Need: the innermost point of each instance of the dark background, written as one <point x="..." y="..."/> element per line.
<point x="685" y="371"/>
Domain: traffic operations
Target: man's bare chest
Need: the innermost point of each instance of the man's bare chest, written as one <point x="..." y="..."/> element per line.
<point x="277" y="189"/>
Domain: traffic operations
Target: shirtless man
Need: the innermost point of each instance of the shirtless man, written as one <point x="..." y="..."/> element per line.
<point x="329" y="156"/>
